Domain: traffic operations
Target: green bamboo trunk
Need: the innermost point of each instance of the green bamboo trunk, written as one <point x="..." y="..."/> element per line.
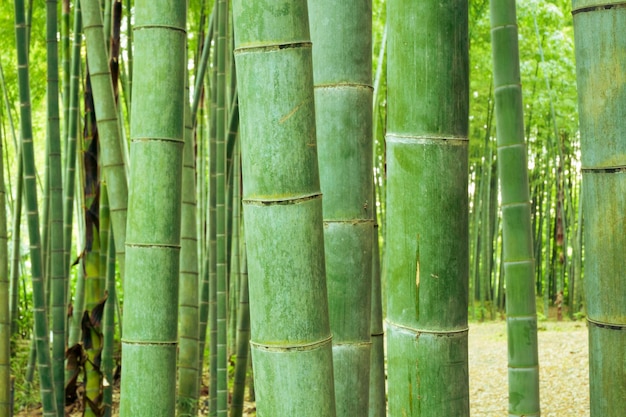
<point x="221" y="212"/>
<point x="377" y="397"/>
<point x="65" y="64"/>
<point x="427" y="208"/>
<point x="41" y="336"/>
<point x="153" y="242"/>
<point x="107" y="285"/>
<point x="57" y="263"/>
<point x="213" y="219"/>
<point x="600" y="62"/>
<point x="5" y="313"/>
<point x="290" y="331"/>
<point x="188" y="389"/>
<point x="16" y="246"/>
<point x="69" y="180"/>
<point x="243" y="341"/>
<point x="113" y="167"/>
<point x="342" y="68"/>
<point x="518" y="254"/>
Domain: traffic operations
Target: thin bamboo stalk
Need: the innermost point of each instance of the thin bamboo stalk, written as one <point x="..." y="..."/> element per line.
<point x="5" y="312"/>
<point x="518" y="253"/>
<point x="188" y="341"/>
<point x="16" y="245"/>
<point x="69" y="184"/>
<point x="108" y="326"/>
<point x="30" y="188"/>
<point x="113" y="166"/>
<point x="243" y="339"/>
<point x="221" y="212"/>
<point x="57" y="270"/>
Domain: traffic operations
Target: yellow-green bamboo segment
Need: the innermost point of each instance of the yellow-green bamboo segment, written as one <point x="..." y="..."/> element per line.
<point x="427" y="256"/>
<point x="107" y="267"/>
<point x="41" y="336"/>
<point x="243" y="339"/>
<point x="5" y="314"/>
<point x="112" y="162"/>
<point x="188" y="341"/>
<point x="57" y="262"/>
<point x="518" y="254"/>
<point x="69" y="180"/>
<point x="600" y="45"/>
<point x="220" y="194"/>
<point x="149" y="340"/>
<point x="377" y="398"/>
<point x="342" y="72"/>
<point x="291" y="343"/>
<point x="212" y="238"/>
<point x="65" y="63"/>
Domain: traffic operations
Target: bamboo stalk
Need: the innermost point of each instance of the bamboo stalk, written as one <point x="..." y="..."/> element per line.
<point x="151" y="283"/>
<point x="427" y="208"/>
<point x="518" y="253"/>
<point x="282" y="204"/>
<point x="30" y="187"/>
<point x="600" y="60"/>
<point x="343" y="100"/>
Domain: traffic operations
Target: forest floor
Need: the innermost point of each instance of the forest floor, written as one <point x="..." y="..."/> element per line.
<point x="564" y="375"/>
<point x="563" y="369"/>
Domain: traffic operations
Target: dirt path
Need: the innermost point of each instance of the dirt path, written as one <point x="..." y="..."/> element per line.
<point x="563" y="365"/>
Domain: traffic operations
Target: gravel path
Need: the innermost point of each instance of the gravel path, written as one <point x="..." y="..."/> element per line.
<point x="563" y="365"/>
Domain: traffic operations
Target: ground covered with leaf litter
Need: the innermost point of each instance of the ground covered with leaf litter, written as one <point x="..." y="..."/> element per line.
<point x="564" y="372"/>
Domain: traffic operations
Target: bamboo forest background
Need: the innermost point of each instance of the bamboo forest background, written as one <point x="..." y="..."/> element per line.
<point x="546" y="47"/>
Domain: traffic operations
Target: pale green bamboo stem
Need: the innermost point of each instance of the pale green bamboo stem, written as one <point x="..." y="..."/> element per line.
<point x="220" y="191"/>
<point x="518" y="254"/>
<point x="188" y="372"/>
<point x="106" y="23"/>
<point x="108" y="326"/>
<point x="69" y="184"/>
<point x="235" y="253"/>
<point x="243" y="341"/>
<point x="65" y="63"/>
<point x="212" y="207"/>
<point x="5" y="312"/>
<point x="129" y="53"/>
<point x="282" y="208"/>
<point x="343" y="100"/>
<point x="112" y="160"/>
<point x="377" y="397"/>
<point x="427" y="254"/>
<point x="600" y="61"/>
<point x="16" y="244"/>
<point x="57" y="269"/>
<point x="204" y="59"/>
<point x="154" y="215"/>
